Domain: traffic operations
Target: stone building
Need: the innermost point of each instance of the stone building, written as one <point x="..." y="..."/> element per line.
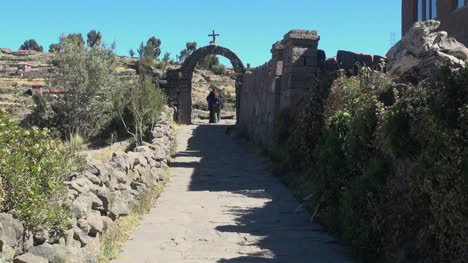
<point x="24" y="66"/>
<point x="453" y="15"/>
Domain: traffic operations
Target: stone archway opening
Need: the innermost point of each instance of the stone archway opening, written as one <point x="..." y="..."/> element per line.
<point x="179" y="82"/>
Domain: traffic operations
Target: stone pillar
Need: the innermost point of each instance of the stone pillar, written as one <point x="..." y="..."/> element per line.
<point x="178" y="89"/>
<point x="299" y="74"/>
<point x="277" y="57"/>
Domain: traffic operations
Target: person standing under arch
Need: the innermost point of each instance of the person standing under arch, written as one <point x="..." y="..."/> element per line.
<point x="215" y="104"/>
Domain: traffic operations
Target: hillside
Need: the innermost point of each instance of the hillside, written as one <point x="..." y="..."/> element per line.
<point x="14" y="84"/>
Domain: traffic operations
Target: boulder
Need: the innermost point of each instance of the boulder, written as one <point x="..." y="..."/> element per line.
<point x="120" y="176"/>
<point x="138" y="159"/>
<point x="11" y="230"/>
<point x="7" y="253"/>
<point x="40" y="235"/>
<point x="158" y="132"/>
<point x="82" y="205"/>
<point x="30" y="258"/>
<point x="119" y="161"/>
<point x="80" y="236"/>
<point x="420" y="53"/>
<point x="96" y="225"/>
<point x="56" y="253"/>
<point x="119" y="207"/>
<point x="91" y="253"/>
<point x="97" y="203"/>
<point x="83" y="224"/>
<point x="92" y="177"/>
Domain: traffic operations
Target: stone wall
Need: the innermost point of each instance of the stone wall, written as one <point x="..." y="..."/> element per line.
<point x="99" y="195"/>
<point x="296" y="69"/>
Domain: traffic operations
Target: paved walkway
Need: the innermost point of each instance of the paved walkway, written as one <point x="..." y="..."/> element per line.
<point x="223" y="206"/>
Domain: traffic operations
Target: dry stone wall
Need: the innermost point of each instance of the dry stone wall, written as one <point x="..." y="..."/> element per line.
<point x="99" y="195"/>
<point x="297" y="69"/>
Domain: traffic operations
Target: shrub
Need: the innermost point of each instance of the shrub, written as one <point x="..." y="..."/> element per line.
<point x="139" y="106"/>
<point x="218" y="69"/>
<point x="32" y="172"/>
<point x="86" y="77"/>
<point x="385" y="165"/>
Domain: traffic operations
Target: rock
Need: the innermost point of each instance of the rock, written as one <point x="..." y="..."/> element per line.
<point x="420" y="53"/>
<point x="7" y="253"/>
<point x="83" y="224"/>
<point x="142" y="149"/>
<point x="91" y="253"/>
<point x="119" y="161"/>
<point x="80" y="236"/>
<point x="119" y="207"/>
<point x="140" y="160"/>
<point x="90" y="168"/>
<point x="155" y="173"/>
<point x="11" y="230"/>
<point x="92" y="177"/>
<point x="97" y="203"/>
<point x="72" y="176"/>
<point x="121" y="187"/>
<point x="158" y="132"/>
<point x="28" y="240"/>
<point x="30" y="258"/>
<point x="82" y="205"/>
<point x="112" y="184"/>
<point x="56" y="253"/>
<point x="81" y="185"/>
<point x="120" y="176"/>
<point x="103" y="171"/>
<point x="132" y="175"/>
<point x="40" y="235"/>
<point x="146" y="177"/>
<point x="107" y="223"/>
<point x="95" y="223"/>
<point x="73" y="194"/>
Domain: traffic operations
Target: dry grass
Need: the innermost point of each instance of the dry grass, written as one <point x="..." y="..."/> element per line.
<point x="105" y="154"/>
<point x="115" y="238"/>
<point x="9" y="82"/>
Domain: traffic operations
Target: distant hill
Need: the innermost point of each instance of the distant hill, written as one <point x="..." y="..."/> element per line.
<point x="14" y="85"/>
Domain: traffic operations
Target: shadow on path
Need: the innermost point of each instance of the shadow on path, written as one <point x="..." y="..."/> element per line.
<point x="268" y="222"/>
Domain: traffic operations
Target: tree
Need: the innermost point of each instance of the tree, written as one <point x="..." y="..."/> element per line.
<point x="141" y="50"/>
<point x="94" y="38"/>
<point x="218" y="69"/>
<point x="190" y="47"/>
<point x="86" y="77"/>
<point x="77" y="38"/>
<point x="154" y="43"/>
<point x="208" y="62"/>
<point x="131" y="52"/>
<point x="139" y="107"/>
<point x="31" y="44"/>
<point x="54" y="48"/>
<point x="167" y="57"/>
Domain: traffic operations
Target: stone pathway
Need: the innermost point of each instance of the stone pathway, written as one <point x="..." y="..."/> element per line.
<point x="223" y="206"/>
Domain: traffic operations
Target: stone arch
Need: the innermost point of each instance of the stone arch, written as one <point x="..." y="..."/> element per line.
<point x="192" y="60"/>
<point x="181" y="79"/>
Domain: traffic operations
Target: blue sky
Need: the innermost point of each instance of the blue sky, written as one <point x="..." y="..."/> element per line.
<point x="248" y="27"/>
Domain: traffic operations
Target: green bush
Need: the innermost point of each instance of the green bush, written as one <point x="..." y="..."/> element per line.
<point x="385" y="164"/>
<point x="218" y="69"/>
<point x="139" y="106"/>
<point x="86" y="77"/>
<point x="32" y="172"/>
